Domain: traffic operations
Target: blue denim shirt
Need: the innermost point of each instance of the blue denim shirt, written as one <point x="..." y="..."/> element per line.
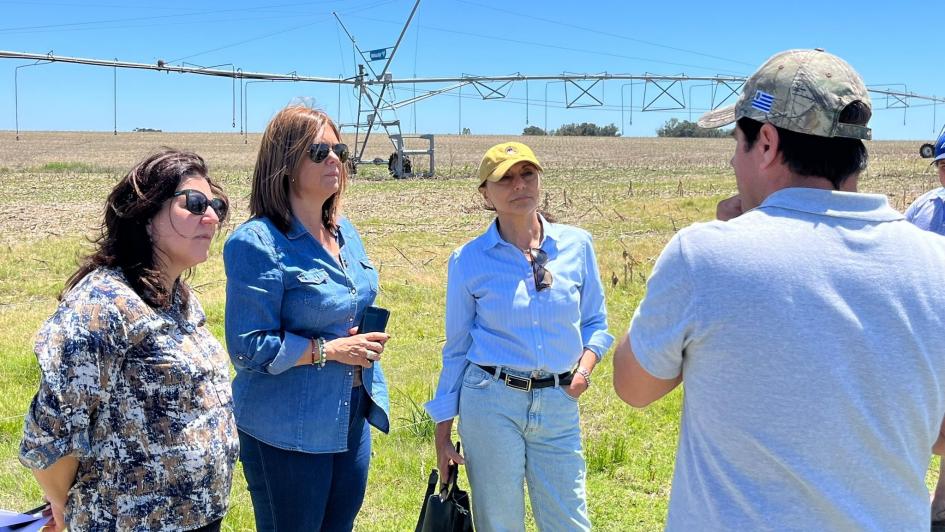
<point x="281" y="291"/>
<point x="495" y="317"/>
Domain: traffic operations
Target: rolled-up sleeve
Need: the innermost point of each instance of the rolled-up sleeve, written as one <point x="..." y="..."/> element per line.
<point x="593" y="308"/>
<point x="61" y="416"/>
<point x="460" y="316"/>
<point x="254" y="291"/>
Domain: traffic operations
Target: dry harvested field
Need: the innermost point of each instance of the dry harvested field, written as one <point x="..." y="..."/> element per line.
<point x="68" y="171"/>
<point x="631" y="194"/>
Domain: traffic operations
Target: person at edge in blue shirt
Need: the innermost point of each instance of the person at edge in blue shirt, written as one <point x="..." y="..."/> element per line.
<point x="525" y="326"/>
<point x="307" y="384"/>
<point x="928" y="211"/>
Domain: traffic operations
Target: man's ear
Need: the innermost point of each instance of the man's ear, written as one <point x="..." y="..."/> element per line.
<point x="769" y="141"/>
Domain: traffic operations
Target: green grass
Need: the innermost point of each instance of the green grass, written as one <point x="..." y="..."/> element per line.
<point x="632" y="206"/>
<point x="68" y="166"/>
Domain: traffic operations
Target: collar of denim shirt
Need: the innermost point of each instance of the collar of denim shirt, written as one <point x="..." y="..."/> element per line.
<point x="296" y="229"/>
<point x="551" y="238"/>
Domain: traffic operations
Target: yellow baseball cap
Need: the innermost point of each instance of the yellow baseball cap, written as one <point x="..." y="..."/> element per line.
<point x="499" y="158"/>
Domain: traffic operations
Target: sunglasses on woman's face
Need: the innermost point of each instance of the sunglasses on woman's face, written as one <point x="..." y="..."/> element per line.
<point x="319" y="152"/>
<point x="543" y="277"/>
<point x="197" y="203"/>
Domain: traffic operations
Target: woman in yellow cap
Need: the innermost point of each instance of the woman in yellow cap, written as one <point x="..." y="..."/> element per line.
<point x="525" y="326"/>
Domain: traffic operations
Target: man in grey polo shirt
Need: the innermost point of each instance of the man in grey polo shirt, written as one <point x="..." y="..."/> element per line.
<point x="807" y="329"/>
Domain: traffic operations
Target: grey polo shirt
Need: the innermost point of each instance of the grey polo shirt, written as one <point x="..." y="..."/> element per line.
<point x="811" y="339"/>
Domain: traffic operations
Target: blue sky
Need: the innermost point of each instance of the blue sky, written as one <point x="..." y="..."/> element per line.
<point x="887" y="44"/>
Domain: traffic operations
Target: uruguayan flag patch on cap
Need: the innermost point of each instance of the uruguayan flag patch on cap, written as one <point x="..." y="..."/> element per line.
<point x="762" y="101"/>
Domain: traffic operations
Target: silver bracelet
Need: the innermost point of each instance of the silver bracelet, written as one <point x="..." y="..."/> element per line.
<point x="322" y="355"/>
<point x="587" y="374"/>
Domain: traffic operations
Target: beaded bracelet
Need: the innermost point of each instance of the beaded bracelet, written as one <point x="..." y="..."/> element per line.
<point x="322" y="354"/>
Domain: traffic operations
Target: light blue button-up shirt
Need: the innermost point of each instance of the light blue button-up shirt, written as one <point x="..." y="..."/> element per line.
<point x="282" y="289"/>
<point x="495" y="317"/>
<point x="928" y="211"/>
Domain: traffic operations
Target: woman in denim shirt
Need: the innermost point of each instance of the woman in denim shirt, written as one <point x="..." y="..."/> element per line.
<point x="307" y="385"/>
<point x="525" y="326"/>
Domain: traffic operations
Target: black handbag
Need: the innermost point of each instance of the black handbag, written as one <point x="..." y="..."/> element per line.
<point x="447" y="511"/>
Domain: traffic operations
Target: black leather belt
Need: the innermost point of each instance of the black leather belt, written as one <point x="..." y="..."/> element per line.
<point x="524" y="383"/>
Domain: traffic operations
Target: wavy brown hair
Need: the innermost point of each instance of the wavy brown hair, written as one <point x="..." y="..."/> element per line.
<point x="123" y="241"/>
<point x="284" y="144"/>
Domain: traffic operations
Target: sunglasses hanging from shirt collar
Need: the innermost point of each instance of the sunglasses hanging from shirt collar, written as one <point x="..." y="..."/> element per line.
<point x="539" y="259"/>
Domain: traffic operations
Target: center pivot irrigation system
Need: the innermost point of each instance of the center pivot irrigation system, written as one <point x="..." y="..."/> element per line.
<point x="376" y="109"/>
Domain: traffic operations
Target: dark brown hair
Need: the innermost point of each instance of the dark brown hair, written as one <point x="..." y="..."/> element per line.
<point x="833" y="158"/>
<point x="284" y="144"/>
<point x="124" y="242"/>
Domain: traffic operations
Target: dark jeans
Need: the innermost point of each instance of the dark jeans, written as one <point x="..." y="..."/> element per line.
<point x="293" y="490"/>
<point x="212" y="527"/>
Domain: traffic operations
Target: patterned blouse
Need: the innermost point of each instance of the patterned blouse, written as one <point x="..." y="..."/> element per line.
<point x="141" y="397"/>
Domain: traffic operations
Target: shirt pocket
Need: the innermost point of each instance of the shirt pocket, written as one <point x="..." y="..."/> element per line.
<point x="371" y="273"/>
<point x="315" y="276"/>
<point x="312" y="286"/>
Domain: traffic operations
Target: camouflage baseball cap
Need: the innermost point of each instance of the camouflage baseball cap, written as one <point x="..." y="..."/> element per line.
<point x="799" y="90"/>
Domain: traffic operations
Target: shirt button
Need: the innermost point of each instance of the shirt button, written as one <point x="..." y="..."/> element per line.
<point x="349" y="373"/>
<point x="535" y="322"/>
<point x="353" y="291"/>
<point x="539" y="346"/>
<point x="346" y="403"/>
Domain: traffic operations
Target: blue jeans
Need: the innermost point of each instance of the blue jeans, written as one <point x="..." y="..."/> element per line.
<point x="293" y="490"/>
<point x="511" y="437"/>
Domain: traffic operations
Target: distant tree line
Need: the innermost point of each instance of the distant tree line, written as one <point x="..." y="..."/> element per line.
<point x="685" y="128"/>
<point x="672" y="128"/>
<point x="584" y="129"/>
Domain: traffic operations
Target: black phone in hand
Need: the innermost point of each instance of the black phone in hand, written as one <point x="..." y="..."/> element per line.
<point x="374" y="320"/>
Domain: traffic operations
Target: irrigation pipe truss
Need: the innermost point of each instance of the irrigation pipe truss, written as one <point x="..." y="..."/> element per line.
<point x="665" y="91"/>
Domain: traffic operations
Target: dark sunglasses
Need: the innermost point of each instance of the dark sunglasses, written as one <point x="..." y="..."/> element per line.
<point x="197" y="203"/>
<point x="319" y="152"/>
<point x="543" y="277"/>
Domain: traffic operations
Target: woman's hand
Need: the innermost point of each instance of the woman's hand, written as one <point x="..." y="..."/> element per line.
<point x="578" y="385"/>
<point x="579" y="382"/>
<point x="358" y="349"/>
<point x="58" y="521"/>
<point x="446" y="450"/>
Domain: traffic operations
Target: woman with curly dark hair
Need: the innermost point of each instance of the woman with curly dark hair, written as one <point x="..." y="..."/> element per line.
<point x="132" y="426"/>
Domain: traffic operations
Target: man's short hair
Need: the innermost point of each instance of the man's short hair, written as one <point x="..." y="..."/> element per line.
<point x="835" y="159"/>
